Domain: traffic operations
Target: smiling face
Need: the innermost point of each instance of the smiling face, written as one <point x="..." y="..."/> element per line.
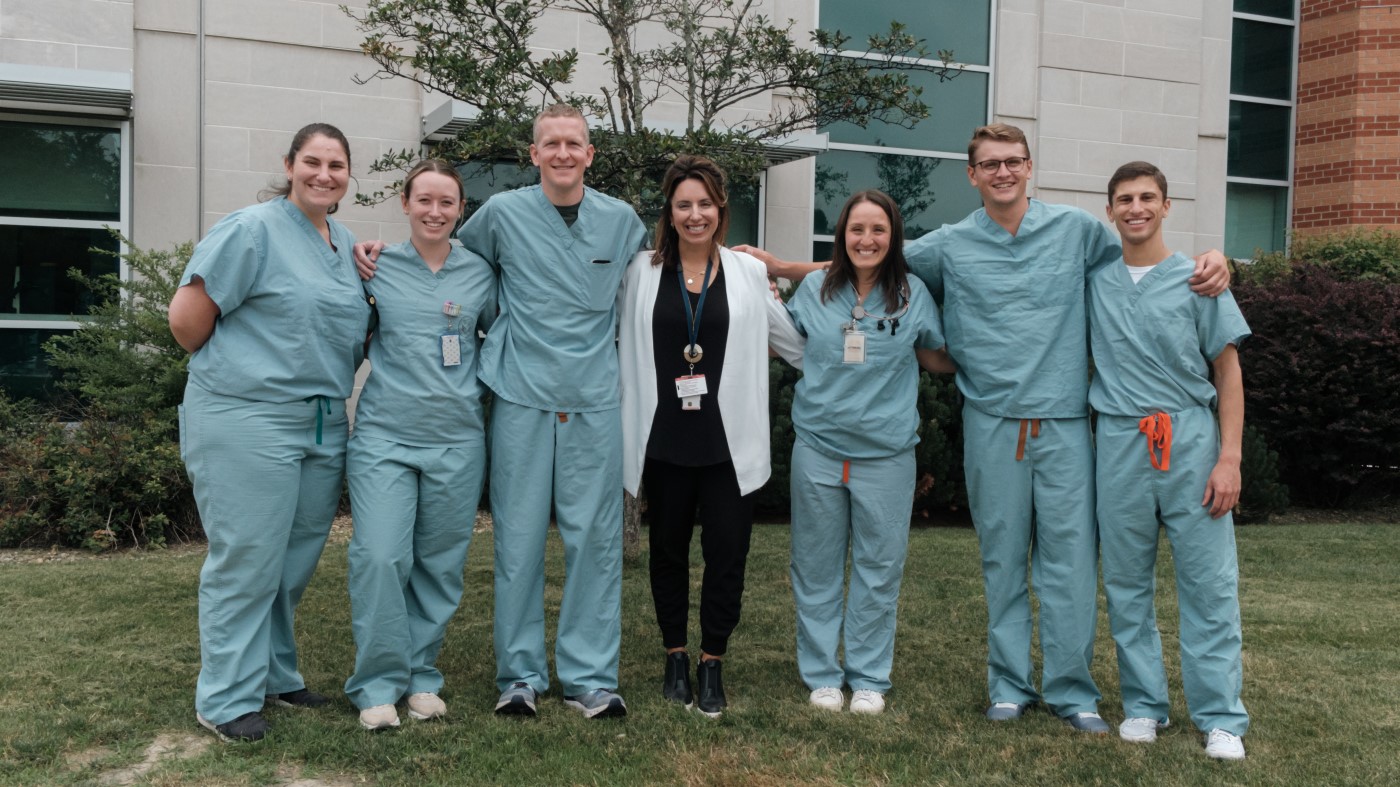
<point x="562" y="153"/>
<point x="867" y="238"/>
<point x="695" y="216"/>
<point x="433" y="204"/>
<point x="1138" y="209"/>
<point x="1003" y="188"/>
<point x="319" y="175"/>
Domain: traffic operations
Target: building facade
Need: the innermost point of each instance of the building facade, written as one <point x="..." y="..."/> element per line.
<point x="157" y="117"/>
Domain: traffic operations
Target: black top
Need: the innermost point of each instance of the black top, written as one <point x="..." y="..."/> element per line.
<point x="569" y="213"/>
<point x="691" y="438"/>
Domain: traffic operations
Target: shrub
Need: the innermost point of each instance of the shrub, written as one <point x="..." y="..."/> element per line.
<point x="1321" y="379"/>
<point x="104" y="470"/>
<point x="1261" y="494"/>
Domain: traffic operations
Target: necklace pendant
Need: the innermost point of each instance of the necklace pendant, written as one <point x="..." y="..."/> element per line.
<point x="690" y="281"/>
<point x="693" y="353"/>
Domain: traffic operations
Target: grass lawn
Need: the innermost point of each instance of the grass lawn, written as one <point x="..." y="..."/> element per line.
<point x="100" y="657"/>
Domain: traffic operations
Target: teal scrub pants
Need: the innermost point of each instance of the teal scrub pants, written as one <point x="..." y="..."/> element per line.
<point x="575" y="459"/>
<point x="414" y="508"/>
<point x="1135" y="499"/>
<point x="1042" y="506"/>
<point x="864" y="504"/>
<point x="267" y="492"/>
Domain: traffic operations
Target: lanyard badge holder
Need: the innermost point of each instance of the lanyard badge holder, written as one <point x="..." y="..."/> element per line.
<point x="690" y="387"/>
<point x="451" y="339"/>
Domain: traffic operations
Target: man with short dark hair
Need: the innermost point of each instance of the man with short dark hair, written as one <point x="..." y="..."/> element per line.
<point x="1165" y="358"/>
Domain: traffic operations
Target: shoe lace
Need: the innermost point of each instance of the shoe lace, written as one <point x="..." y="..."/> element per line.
<point x="1221" y="738"/>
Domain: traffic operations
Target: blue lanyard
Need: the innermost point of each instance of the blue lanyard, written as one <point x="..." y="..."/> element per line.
<point x="692" y="317"/>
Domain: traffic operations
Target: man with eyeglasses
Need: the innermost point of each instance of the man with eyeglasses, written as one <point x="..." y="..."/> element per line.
<point x="1010" y="279"/>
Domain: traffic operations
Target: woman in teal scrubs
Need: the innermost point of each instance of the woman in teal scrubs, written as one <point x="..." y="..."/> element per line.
<point x="418" y="454"/>
<point x="272" y="312"/>
<point x="869" y="325"/>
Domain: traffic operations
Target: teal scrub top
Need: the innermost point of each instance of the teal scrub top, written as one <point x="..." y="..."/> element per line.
<point x="860" y="410"/>
<point x="292" y="314"/>
<point x="1153" y="341"/>
<point x="1013" y="306"/>
<point x="553" y="346"/>
<point x="410" y="397"/>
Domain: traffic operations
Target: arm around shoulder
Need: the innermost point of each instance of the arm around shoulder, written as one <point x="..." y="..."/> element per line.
<point x="1212" y="274"/>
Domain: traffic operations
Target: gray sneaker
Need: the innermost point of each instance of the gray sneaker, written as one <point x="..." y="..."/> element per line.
<point x="517" y="700"/>
<point x="1089" y="722"/>
<point x="598" y="704"/>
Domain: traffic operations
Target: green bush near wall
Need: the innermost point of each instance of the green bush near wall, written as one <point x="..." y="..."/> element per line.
<point x="102" y="469"/>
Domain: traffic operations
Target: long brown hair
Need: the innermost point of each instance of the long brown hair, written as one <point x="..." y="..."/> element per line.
<point x="298" y="141"/>
<point x="688" y="167"/>
<point x="893" y="273"/>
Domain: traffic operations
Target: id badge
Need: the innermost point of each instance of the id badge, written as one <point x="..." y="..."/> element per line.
<point x="854" y="349"/>
<point x="689" y="388"/>
<point x="451" y="349"/>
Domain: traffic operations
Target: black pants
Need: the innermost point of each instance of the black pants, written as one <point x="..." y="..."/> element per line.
<point x="674" y="493"/>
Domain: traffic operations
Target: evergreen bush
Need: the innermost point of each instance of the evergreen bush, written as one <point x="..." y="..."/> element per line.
<point x="1261" y="494"/>
<point x="103" y="470"/>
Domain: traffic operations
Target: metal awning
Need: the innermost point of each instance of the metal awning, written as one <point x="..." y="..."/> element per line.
<point x="68" y="90"/>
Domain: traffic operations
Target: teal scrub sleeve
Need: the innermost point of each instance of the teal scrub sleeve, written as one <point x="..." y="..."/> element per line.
<point x="478" y="237"/>
<point x="229" y="261"/>
<point x="925" y="318"/>
<point x="1101" y="246"/>
<point x="1219" y="323"/>
<point x="925" y="258"/>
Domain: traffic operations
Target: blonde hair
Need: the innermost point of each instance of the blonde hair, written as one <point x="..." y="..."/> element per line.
<point x="558" y="111"/>
<point x="996" y="132"/>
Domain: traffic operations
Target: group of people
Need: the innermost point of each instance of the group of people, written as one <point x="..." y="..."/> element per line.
<point x="612" y="366"/>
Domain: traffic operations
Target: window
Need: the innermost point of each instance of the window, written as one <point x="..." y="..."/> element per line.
<point x="1259" y="162"/>
<point x="923" y="168"/>
<point x="62" y="183"/>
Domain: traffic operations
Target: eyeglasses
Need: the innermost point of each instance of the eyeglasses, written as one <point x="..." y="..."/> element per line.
<point x="991" y="166"/>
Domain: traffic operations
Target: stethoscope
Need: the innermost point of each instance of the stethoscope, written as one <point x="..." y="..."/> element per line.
<point x="858" y="312"/>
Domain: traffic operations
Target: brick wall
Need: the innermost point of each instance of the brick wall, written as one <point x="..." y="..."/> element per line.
<point x="1347" y="157"/>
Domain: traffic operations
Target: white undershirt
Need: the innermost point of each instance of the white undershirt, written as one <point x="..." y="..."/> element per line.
<point x="1138" y="271"/>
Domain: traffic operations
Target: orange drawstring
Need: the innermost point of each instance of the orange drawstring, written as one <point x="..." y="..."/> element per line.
<point x="1021" y="439"/>
<point x="846" y="472"/>
<point x="1158" y="428"/>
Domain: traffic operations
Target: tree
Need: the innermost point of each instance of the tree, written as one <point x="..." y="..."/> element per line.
<point x="714" y="57"/>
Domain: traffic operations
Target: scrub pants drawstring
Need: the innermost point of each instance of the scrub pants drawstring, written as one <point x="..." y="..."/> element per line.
<point x="1158" y="428"/>
<point x="1021" y="439"/>
<point x="846" y="472"/>
<point x="319" y="400"/>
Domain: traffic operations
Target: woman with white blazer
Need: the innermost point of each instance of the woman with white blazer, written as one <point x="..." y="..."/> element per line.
<point x="696" y="323"/>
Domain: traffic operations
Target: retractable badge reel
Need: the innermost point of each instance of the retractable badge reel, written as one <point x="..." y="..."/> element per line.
<point x="451" y="339"/>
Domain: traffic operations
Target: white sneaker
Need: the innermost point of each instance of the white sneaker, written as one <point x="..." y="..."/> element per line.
<point x="1140" y="729"/>
<point x="1222" y="745"/>
<point x="867" y="701"/>
<point x="827" y="698"/>
<point x="380" y="717"/>
<point x="426" y="705"/>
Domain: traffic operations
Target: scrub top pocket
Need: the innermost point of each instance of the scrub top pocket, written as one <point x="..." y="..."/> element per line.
<point x="601" y="280"/>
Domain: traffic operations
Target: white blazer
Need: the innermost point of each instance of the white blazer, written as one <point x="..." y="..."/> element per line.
<point x="756" y="320"/>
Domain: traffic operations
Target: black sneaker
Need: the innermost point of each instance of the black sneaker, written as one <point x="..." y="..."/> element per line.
<point x="249" y="727"/>
<point x="676" y="685"/>
<point x="711" y="688"/>
<point x="301" y="698"/>
<point x="517" y="700"/>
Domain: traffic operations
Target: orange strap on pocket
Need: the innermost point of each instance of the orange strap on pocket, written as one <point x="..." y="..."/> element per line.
<point x="1158" y="428"/>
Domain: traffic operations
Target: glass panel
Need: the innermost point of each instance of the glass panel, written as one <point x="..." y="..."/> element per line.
<point x="34" y="265"/>
<point x="1261" y="60"/>
<point x="743" y="215"/>
<point x="1259" y="141"/>
<point x="1283" y="9"/>
<point x="963" y="26"/>
<point x="955" y="107"/>
<point x="24" y="366"/>
<point x="822" y="250"/>
<point x="61" y="172"/>
<point x="1255" y="219"/>
<point x="930" y="192"/>
<point x="483" y="178"/>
